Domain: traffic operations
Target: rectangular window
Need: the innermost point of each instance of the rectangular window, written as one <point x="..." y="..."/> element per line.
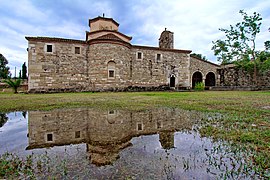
<point x="139" y="127"/>
<point x="77" y="134"/>
<point x="111" y="73"/>
<point x="159" y="125"/>
<point x="139" y="55"/>
<point x="49" y="137"/>
<point x="158" y="57"/>
<point x="49" y="48"/>
<point x="77" y="50"/>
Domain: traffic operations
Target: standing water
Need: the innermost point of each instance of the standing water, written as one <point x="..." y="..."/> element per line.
<point x="87" y="143"/>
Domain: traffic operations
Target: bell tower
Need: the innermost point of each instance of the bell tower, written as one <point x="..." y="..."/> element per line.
<point x="166" y="40"/>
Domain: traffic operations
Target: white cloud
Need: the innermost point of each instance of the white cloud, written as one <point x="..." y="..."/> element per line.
<point x="195" y="23"/>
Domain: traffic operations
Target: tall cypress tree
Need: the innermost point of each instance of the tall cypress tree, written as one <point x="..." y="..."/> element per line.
<point x="24" y="71"/>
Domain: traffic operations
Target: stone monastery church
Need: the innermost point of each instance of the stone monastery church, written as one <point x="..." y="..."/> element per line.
<point x="107" y="61"/>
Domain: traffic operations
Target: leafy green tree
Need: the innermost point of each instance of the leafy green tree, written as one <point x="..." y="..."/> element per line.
<point x="3" y="119"/>
<point x="4" y="69"/>
<point x="13" y="84"/>
<point x="267" y="45"/>
<point x="240" y="40"/>
<point x="24" y="71"/>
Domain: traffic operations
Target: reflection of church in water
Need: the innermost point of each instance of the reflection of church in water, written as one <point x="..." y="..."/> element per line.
<point x="105" y="133"/>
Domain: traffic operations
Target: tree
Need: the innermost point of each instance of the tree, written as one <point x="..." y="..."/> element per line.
<point x="4" y="69"/>
<point x="267" y="45"/>
<point x="240" y="40"/>
<point x="200" y="56"/>
<point x="3" y="119"/>
<point x="24" y="71"/>
<point x="13" y="84"/>
<point x="20" y="74"/>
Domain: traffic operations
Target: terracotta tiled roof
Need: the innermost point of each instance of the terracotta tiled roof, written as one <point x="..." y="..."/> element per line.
<point x="102" y="18"/>
<point x="53" y="39"/>
<point x="110" y="36"/>
<point x="121" y="34"/>
<point x="204" y="61"/>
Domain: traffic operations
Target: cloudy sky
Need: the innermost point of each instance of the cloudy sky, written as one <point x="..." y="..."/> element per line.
<point x="195" y="23"/>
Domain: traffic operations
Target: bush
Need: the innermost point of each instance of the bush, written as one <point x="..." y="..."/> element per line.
<point x="13" y="84"/>
<point x="199" y="86"/>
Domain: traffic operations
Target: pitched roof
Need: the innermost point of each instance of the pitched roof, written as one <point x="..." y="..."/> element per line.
<point x="204" y="60"/>
<point x="161" y="49"/>
<point x="121" y="34"/>
<point x="54" y="39"/>
<point x="110" y="36"/>
<point x="102" y="18"/>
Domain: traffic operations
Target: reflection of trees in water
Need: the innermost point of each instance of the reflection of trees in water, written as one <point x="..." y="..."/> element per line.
<point x="3" y="119"/>
<point x="24" y="114"/>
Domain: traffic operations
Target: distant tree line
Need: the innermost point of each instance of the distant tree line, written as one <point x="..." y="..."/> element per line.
<point x="5" y="70"/>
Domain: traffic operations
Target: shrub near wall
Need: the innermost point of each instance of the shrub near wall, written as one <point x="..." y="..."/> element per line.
<point x="199" y="86"/>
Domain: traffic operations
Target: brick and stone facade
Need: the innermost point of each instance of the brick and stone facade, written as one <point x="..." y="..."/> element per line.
<point x="107" y="61"/>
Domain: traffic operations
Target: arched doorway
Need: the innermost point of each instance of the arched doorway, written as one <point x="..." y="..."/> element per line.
<point x="172" y="81"/>
<point x="210" y="79"/>
<point x="196" y="77"/>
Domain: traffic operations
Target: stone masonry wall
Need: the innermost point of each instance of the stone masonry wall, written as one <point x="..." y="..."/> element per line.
<point x="60" y="70"/>
<point x="149" y="71"/>
<point x="99" y="56"/>
<point x="235" y="77"/>
<point x="202" y="66"/>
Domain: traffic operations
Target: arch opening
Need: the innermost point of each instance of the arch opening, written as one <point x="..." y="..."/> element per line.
<point x="210" y="79"/>
<point x="196" y="78"/>
<point x="111" y="69"/>
<point x="172" y="81"/>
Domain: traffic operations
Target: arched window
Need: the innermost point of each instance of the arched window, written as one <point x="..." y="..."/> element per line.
<point x="111" y="69"/>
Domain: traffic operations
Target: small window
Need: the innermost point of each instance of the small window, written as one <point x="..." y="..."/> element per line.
<point x="77" y="134"/>
<point x="139" y="127"/>
<point x="158" y="57"/>
<point x="49" y="48"/>
<point x="159" y="125"/>
<point x="139" y="55"/>
<point x="111" y="73"/>
<point x="77" y="50"/>
<point x="50" y="137"/>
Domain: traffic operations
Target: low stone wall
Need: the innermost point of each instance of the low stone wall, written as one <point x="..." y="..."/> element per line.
<point x="116" y="89"/>
<point x="239" y="88"/>
<point x="233" y="78"/>
<point x="23" y="87"/>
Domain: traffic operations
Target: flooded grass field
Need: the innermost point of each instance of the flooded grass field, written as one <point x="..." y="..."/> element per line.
<point x="89" y="143"/>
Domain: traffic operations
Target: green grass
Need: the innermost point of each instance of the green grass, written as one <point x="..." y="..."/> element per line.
<point x="246" y="120"/>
